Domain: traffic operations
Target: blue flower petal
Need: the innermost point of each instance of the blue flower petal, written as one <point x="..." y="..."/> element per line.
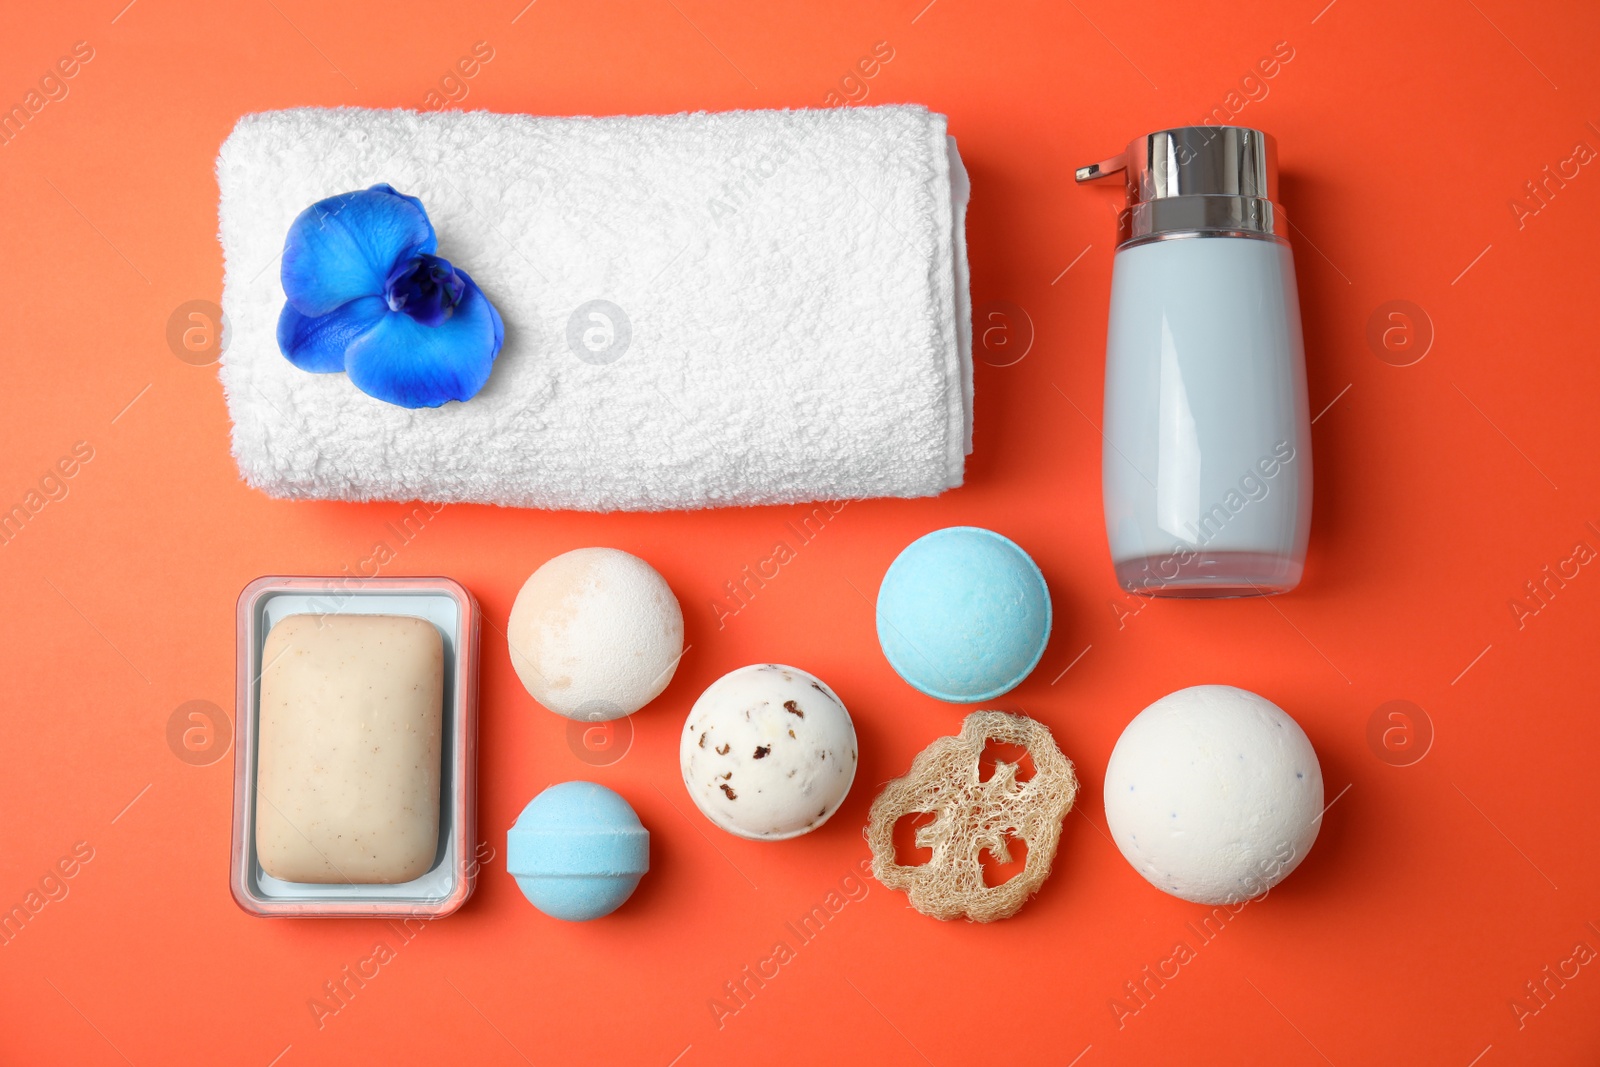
<point x="404" y="362"/>
<point x="385" y="187"/>
<point x="318" y="343"/>
<point x="344" y="247"/>
<point x="499" y="326"/>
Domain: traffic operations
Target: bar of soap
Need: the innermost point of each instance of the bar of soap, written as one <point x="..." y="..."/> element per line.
<point x="348" y="758"/>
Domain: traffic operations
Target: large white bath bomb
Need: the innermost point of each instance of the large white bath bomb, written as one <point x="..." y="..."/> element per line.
<point x="595" y="634"/>
<point x="1214" y="794"/>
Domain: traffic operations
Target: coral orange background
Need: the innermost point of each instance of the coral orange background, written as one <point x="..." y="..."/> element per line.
<point x="1438" y="888"/>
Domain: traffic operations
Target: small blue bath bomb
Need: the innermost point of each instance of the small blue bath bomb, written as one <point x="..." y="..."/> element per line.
<point x="578" y="851"/>
<point x="963" y="614"/>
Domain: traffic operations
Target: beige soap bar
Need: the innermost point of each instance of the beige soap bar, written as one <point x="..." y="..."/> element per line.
<point x="347" y="781"/>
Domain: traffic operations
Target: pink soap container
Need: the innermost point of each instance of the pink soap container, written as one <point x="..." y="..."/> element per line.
<point x="449" y="882"/>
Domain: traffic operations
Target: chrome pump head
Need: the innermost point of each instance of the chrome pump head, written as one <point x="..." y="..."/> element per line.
<point x="1197" y="181"/>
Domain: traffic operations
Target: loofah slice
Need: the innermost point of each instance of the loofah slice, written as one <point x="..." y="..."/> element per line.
<point x="972" y="816"/>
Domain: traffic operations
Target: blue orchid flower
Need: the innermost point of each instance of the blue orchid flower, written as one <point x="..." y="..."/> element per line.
<point x="367" y="296"/>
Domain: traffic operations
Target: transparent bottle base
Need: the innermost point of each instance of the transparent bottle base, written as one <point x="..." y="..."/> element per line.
<point x="1209" y="574"/>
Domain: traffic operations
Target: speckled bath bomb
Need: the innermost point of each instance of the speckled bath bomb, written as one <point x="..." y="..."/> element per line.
<point x="768" y="752"/>
<point x="1214" y="794"/>
<point x="595" y="634"/>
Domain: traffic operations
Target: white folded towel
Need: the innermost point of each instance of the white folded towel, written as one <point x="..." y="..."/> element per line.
<point x="783" y="318"/>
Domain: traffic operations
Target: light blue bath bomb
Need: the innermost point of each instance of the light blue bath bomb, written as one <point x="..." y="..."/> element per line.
<point x="963" y="614"/>
<point x="578" y="851"/>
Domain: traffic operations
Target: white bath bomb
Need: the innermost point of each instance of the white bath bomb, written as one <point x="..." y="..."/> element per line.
<point x="1214" y="794"/>
<point x="768" y="752"/>
<point x="595" y="634"/>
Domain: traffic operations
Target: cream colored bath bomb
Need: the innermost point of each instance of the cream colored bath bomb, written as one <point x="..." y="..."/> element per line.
<point x="1214" y="794"/>
<point x="595" y="634"/>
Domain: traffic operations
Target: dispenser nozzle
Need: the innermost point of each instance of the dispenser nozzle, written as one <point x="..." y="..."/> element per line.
<point x="1102" y="168"/>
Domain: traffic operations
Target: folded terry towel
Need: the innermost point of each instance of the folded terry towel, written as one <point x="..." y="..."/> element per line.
<point x="754" y="307"/>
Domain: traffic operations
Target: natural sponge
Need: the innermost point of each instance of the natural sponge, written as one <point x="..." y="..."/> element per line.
<point x="972" y="816"/>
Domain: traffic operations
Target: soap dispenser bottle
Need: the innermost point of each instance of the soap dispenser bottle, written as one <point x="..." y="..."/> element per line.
<point x="1206" y="468"/>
